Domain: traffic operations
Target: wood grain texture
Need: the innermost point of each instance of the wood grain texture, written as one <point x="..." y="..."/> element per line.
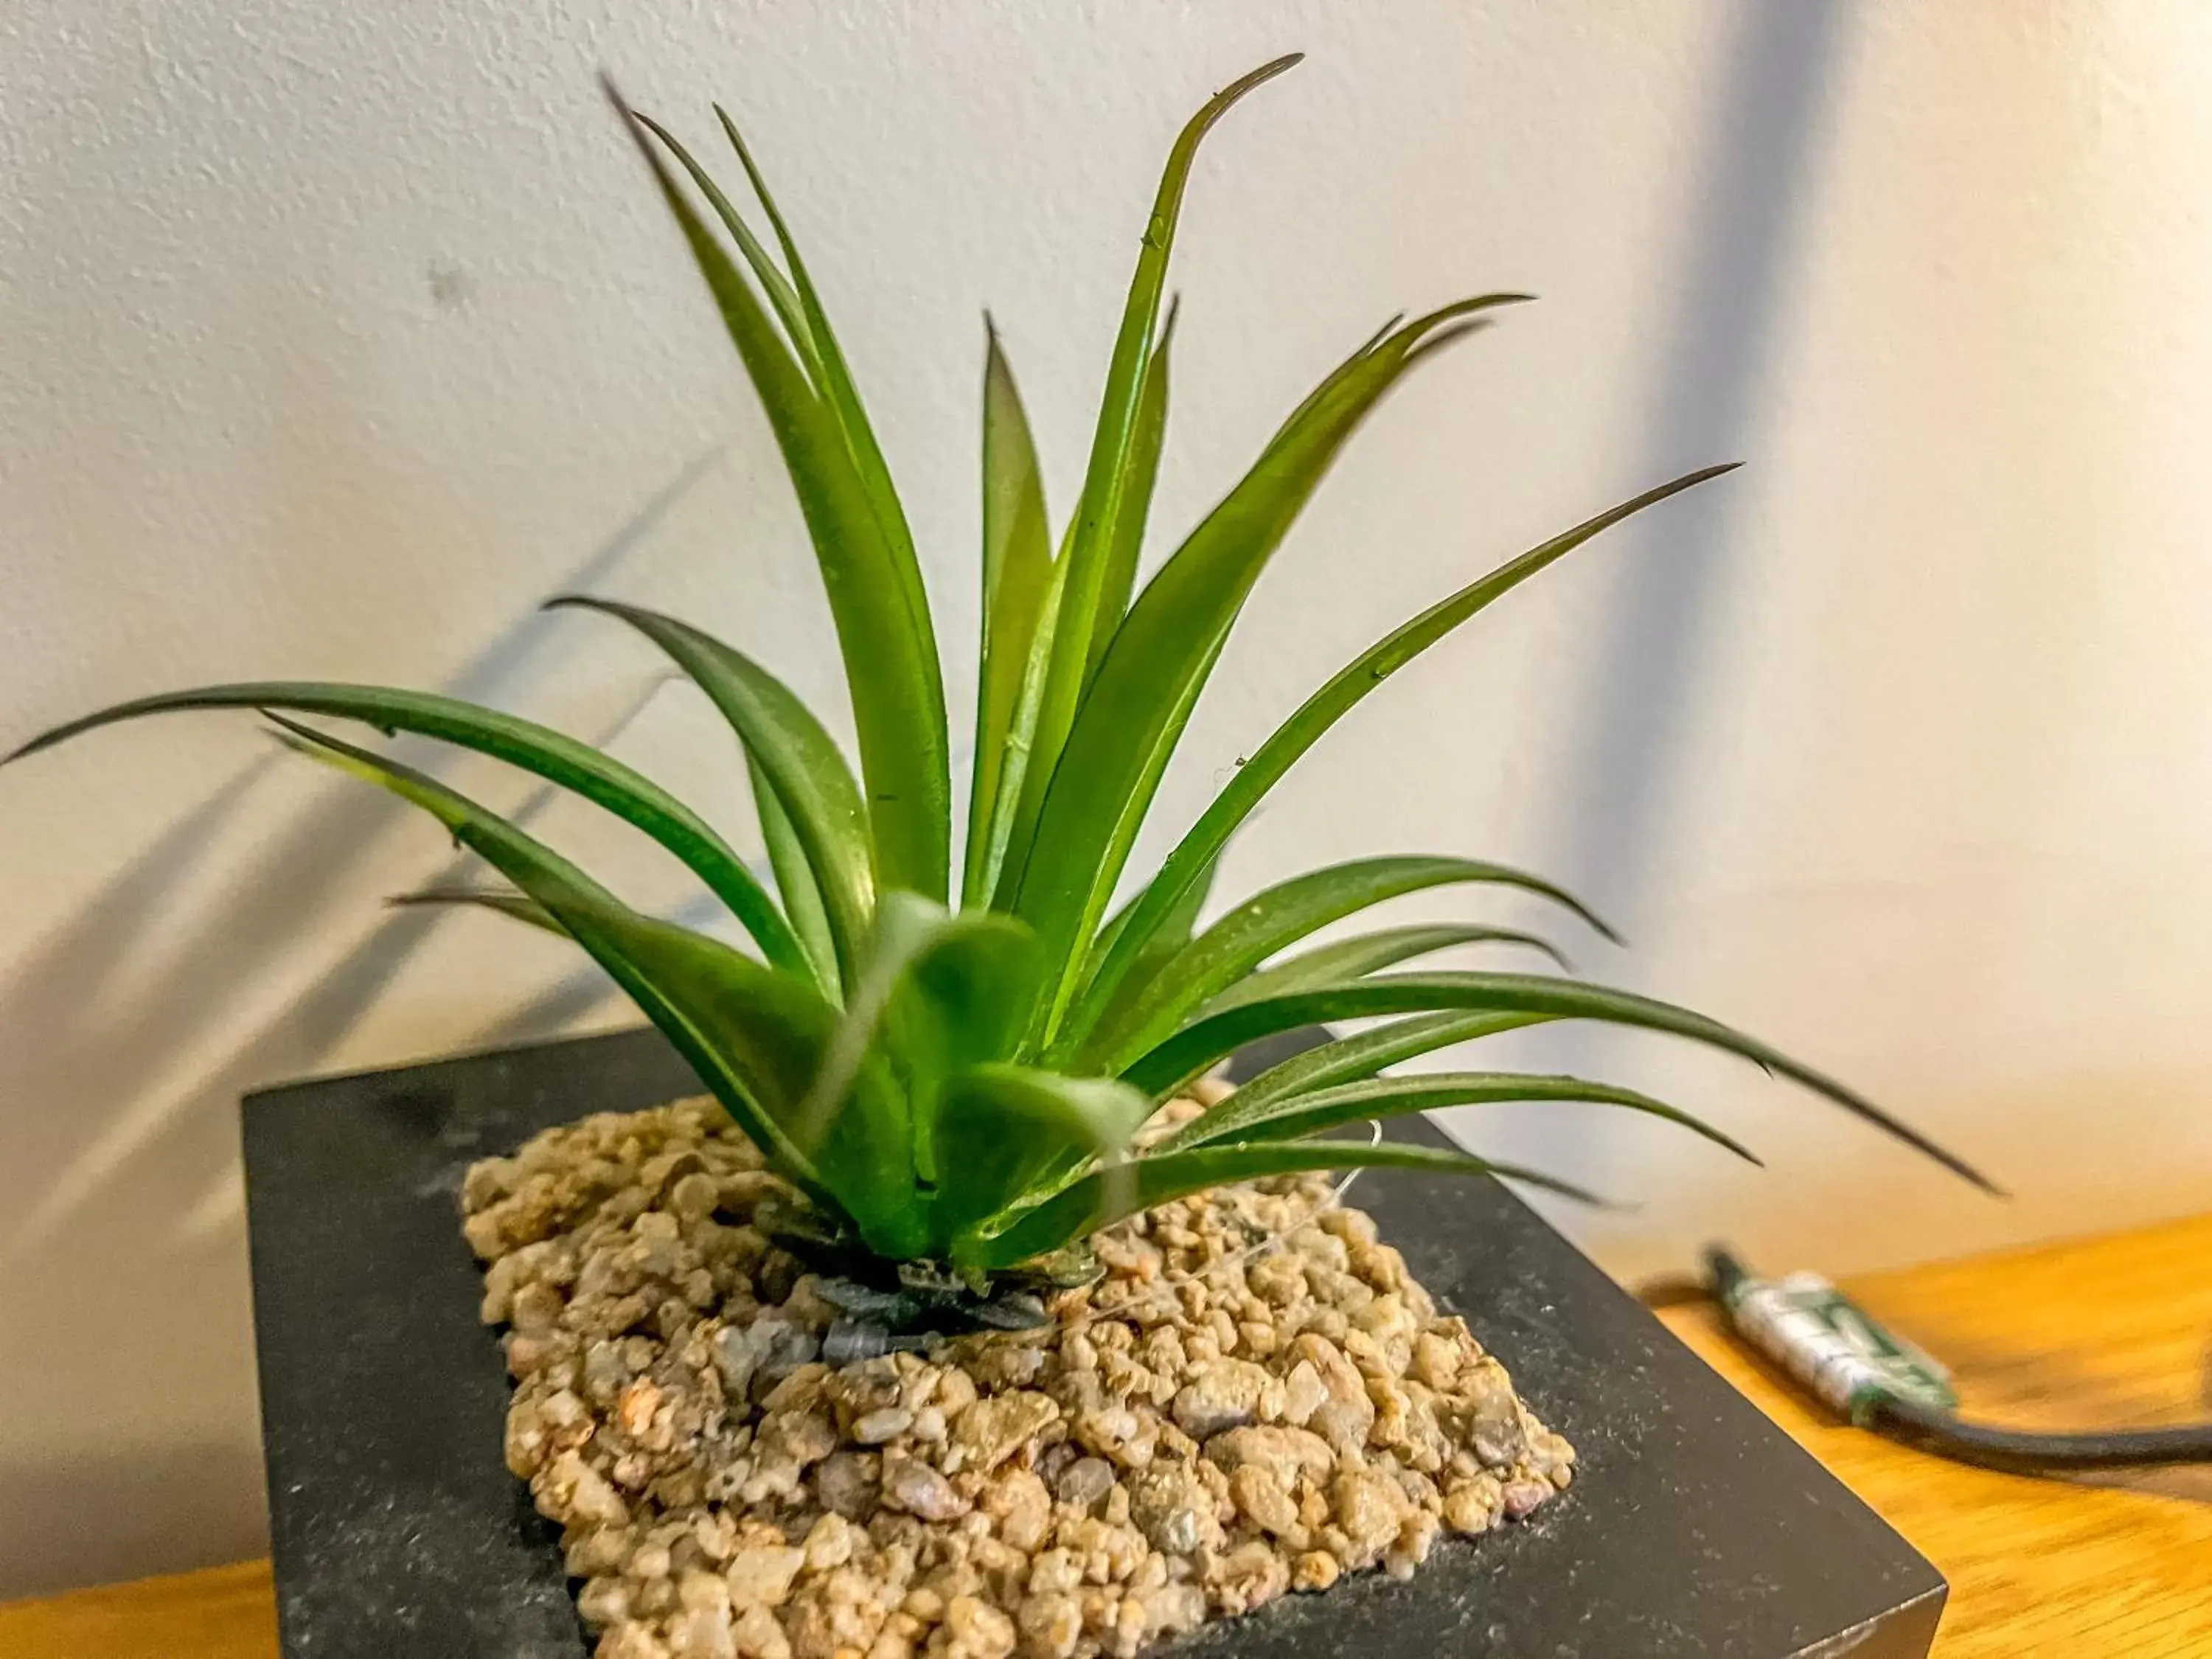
<point x="2105" y="1332"/>
<point x="2109" y="1332"/>
<point x="223" y="1613"/>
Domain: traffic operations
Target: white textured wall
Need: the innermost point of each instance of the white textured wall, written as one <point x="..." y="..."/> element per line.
<point x="335" y="336"/>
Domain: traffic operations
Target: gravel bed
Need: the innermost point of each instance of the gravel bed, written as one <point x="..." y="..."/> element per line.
<point x="1257" y="1399"/>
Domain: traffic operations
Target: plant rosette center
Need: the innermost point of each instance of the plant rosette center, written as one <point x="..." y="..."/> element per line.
<point x="1252" y="1397"/>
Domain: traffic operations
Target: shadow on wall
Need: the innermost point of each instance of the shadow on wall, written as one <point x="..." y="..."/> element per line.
<point x="117" y="1298"/>
<point x="1763" y="163"/>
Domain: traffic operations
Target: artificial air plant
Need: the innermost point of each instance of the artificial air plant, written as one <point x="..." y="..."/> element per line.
<point x="952" y="1082"/>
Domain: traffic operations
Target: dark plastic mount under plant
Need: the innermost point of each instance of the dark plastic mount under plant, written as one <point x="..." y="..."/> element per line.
<point x="1696" y="1527"/>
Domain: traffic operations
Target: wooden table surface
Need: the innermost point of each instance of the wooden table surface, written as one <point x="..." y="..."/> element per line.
<point x="2112" y="1332"/>
<point x="2108" y="1332"/>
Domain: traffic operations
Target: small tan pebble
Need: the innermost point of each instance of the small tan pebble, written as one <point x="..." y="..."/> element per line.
<point x="798" y="1392"/>
<point x="603" y="1603"/>
<point x="633" y="1640"/>
<point x="897" y="1640"/>
<point x="1417" y="1536"/>
<point x="703" y="1592"/>
<point x="830" y="1543"/>
<point x="924" y="1605"/>
<point x="1228" y="1394"/>
<point x="1436" y="1359"/>
<point x="987" y="1433"/>
<point x="1172" y="1507"/>
<point x="1262" y="1498"/>
<point x="1050" y="1624"/>
<point x="574" y="1493"/>
<point x="955" y="1392"/>
<point x="841" y="1610"/>
<point x="699" y="1633"/>
<point x="975" y="1630"/>
<point x="878" y="1426"/>
<point x="1022" y="1506"/>
<point x="1304" y="1394"/>
<point x="1120" y="1435"/>
<point x="1369" y="1508"/>
<point x="598" y="1551"/>
<point x="1316" y="1569"/>
<point x="911" y="1485"/>
<point x="487" y="1181"/>
<point x="761" y="1575"/>
<point x="1054" y="1571"/>
<point x="1473" y="1506"/>
<point x="1169" y="1609"/>
<point x="756" y="1634"/>
<point x="845" y="1482"/>
<point x="1345" y="1416"/>
<point x="1249" y="1577"/>
<point x="805" y="1438"/>
<point x="1286" y="1453"/>
<point x="1007" y="1364"/>
<point x="1352" y="1226"/>
<point x="1522" y="1498"/>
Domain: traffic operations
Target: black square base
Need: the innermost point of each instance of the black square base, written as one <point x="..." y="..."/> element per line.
<point x="1694" y="1526"/>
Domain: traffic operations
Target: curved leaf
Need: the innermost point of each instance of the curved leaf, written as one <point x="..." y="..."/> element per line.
<point x="540" y="750"/>
<point x="1267" y="764"/>
<point x="1390" y="1096"/>
<point x="794" y="879"/>
<point x="749" y="1065"/>
<point x="1274" y="920"/>
<point x="1016" y="577"/>
<point x="1192" y="1051"/>
<point x="1098" y="1201"/>
<point x="1016" y="747"/>
<point x="1103" y="778"/>
<point x="834" y="379"/>
<point x="939" y="993"/>
<point x="1125" y="536"/>
<point x="1369" y="953"/>
<point x="998" y="1127"/>
<point x="807" y="774"/>
<point x="781" y="296"/>
<point x="1351" y="1059"/>
<point x="1170" y="937"/>
<point x="883" y="628"/>
<point x="1107" y="478"/>
<point x="518" y="907"/>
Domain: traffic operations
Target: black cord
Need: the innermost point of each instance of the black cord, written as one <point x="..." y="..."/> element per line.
<point x="2016" y="1452"/>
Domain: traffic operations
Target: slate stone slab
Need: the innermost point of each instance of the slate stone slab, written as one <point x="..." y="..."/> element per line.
<point x="1694" y="1527"/>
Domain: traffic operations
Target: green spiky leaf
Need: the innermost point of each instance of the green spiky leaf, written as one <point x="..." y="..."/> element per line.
<point x="869" y="573"/>
<point x="1018" y="584"/>
<point x="1350" y="1058"/>
<point x="807" y="775"/>
<point x="540" y="750"/>
<point x="1266" y="767"/>
<point x="1195" y="1049"/>
<point x="998" y="1127"/>
<point x="1111" y="476"/>
<point x="1140" y="701"/>
<point x="516" y="906"/>
<point x="1273" y="921"/>
<point x="1370" y="953"/>
<point x="1247" y="1121"/>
